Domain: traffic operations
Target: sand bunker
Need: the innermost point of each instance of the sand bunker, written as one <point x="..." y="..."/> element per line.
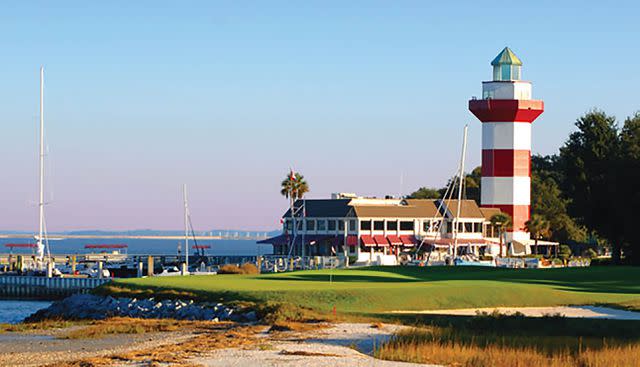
<point x="592" y="312"/>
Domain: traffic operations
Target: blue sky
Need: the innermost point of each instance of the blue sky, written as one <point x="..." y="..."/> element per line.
<point x="226" y="96"/>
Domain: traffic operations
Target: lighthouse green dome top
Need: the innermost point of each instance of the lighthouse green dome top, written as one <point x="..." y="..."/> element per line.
<point x="506" y="57"/>
<point x="506" y="66"/>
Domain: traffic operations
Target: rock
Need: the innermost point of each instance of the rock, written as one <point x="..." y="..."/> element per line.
<point x="87" y="306"/>
<point x="250" y="316"/>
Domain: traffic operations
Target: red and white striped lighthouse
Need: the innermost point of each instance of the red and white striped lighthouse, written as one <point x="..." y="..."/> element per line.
<point x="507" y="111"/>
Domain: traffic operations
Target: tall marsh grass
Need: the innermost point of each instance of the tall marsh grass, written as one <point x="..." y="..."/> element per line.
<point x="463" y="348"/>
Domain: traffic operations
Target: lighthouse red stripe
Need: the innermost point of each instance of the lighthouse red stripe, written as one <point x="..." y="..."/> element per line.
<point x="506" y="110"/>
<point x="518" y="213"/>
<point x="506" y="163"/>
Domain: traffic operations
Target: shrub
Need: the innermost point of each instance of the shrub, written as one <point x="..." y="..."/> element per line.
<point x="230" y="269"/>
<point x="590" y="253"/>
<point x="246" y="268"/>
<point x="249" y="268"/>
<point x="565" y="252"/>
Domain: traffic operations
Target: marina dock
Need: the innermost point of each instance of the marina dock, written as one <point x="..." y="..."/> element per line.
<point x="33" y="287"/>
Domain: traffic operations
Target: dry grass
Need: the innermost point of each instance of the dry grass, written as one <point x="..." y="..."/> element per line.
<point x="125" y="325"/>
<point x="209" y="337"/>
<point x="297" y="326"/>
<point x="308" y="354"/>
<point x="246" y="268"/>
<point x="39" y="325"/>
<point x="442" y="347"/>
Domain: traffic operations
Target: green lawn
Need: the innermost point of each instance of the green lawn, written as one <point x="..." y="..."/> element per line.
<point x="380" y="289"/>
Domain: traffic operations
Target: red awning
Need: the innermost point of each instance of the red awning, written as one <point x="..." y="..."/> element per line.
<point x="394" y="240"/>
<point x="352" y="240"/>
<point x="381" y="240"/>
<point x="450" y="241"/>
<point x="367" y="240"/>
<point x="106" y="246"/>
<point x="408" y="240"/>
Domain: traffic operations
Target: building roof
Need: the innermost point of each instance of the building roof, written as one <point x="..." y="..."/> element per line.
<point x="468" y="209"/>
<point x="341" y="208"/>
<point x="506" y="57"/>
<point x="429" y="205"/>
<point x="394" y="211"/>
<point x="489" y="212"/>
<point x="324" y="208"/>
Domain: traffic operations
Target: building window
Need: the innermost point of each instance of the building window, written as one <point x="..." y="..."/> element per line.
<point x="311" y="225"/>
<point x="352" y="225"/>
<point x="378" y="225"/>
<point x="332" y="225"/>
<point x="322" y="225"/>
<point x="287" y="225"/>
<point x="406" y="226"/>
<point x="426" y="226"/>
<point x="392" y="226"/>
<point x="299" y="223"/>
<point x="340" y="225"/>
<point x="449" y="227"/>
<point x="352" y="249"/>
<point x="477" y="227"/>
<point x="468" y="227"/>
<point x="365" y="225"/>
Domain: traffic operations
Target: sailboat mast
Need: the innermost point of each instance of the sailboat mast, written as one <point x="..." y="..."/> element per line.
<point x="186" y="226"/>
<point x="460" y="188"/>
<point x="41" y="174"/>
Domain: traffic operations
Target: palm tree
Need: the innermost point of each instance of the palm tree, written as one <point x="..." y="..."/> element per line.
<point x="538" y="227"/>
<point x="501" y="221"/>
<point x="294" y="187"/>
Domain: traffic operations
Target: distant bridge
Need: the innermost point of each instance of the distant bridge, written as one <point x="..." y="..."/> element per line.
<point x="222" y="236"/>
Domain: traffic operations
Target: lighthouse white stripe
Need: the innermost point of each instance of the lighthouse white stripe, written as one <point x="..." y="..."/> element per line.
<point x="506" y="135"/>
<point x="505" y="191"/>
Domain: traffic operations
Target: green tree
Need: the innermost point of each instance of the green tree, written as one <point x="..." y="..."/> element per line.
<point x="501" y="221"/>
<point x="471" y="186"/>
<point x="425" y="193"/>
<point x="294" y="187"/>
<point x="629" y="174"/>
<point x="538" y="227"/>
<point x="589" y="162"/>
<point x="548" y="202"/>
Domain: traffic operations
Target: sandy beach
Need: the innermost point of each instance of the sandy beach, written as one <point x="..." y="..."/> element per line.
<point x="348" y="344"/>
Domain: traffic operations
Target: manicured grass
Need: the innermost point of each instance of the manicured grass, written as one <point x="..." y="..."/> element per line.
<point x="376" y="290"/>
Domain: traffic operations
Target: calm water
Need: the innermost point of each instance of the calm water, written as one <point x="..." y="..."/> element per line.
<point x="144" y="247"/>
<point x="12" y="312"/>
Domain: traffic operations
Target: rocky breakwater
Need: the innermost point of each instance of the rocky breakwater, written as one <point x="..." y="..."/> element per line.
<point x="87" y="306"/>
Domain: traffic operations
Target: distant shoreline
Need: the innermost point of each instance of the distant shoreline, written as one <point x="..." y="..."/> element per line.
<point x="132" y="237"/>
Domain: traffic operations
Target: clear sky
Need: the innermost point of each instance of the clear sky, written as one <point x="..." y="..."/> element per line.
<point x="143" y="96"/>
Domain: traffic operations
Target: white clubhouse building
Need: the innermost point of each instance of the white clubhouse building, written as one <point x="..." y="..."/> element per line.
<point x="373" y="230"/>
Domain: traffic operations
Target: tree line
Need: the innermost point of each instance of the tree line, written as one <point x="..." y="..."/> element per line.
<point x="586" y="193"/>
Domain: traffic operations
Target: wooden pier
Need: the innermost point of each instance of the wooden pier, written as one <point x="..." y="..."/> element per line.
<point x="32" y="287"/>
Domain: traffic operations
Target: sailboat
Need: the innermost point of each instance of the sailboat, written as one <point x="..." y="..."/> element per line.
<point x="201" y="259"/>
<point x="42" y="242"/>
